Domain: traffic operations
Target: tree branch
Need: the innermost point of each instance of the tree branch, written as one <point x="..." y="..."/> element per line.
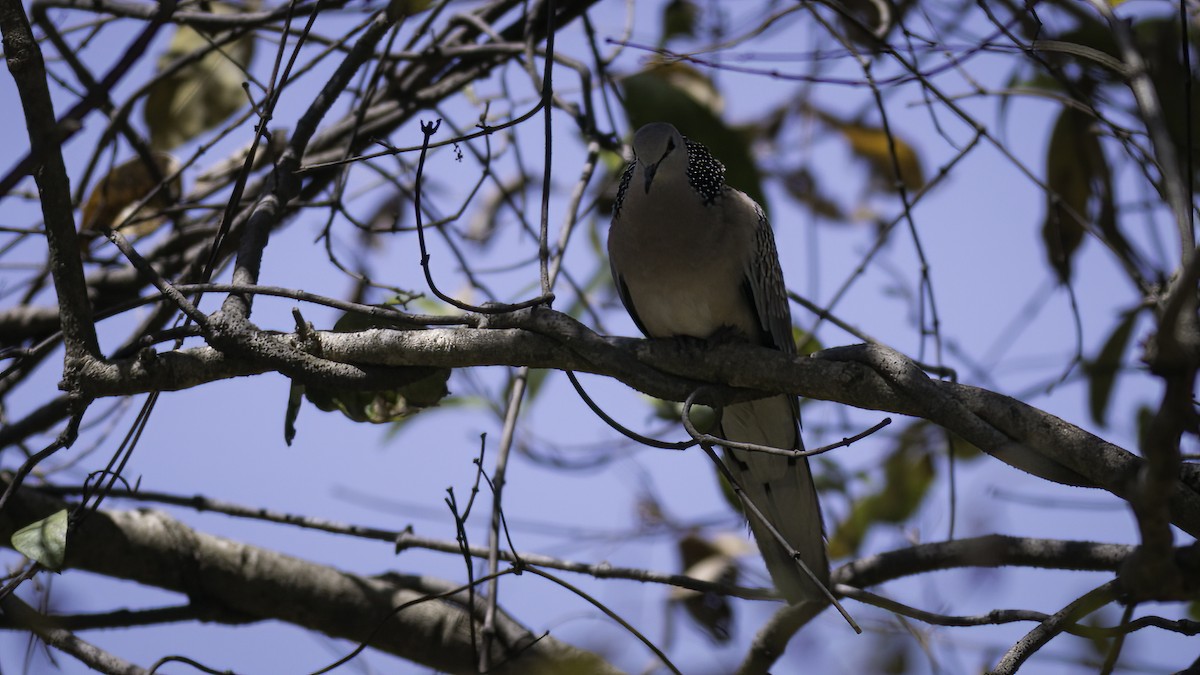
<point x="152" y="548"/>
<point x="871" y="377"/>
<point x="24" y="616"/>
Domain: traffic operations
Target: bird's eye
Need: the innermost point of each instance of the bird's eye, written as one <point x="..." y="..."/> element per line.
<point x="670" y="145"/>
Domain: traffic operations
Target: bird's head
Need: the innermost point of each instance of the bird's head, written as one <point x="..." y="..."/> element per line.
<point x="658" y="147"/>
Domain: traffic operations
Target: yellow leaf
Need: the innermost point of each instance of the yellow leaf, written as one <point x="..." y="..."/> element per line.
<point x="872" y="144"/>
<point x="201" y="95"/>
<point x="113" y="199"/>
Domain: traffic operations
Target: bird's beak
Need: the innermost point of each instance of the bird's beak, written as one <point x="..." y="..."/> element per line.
<point x="648" y="171"/>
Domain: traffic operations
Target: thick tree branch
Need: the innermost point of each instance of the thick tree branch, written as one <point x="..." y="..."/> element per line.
<point x="152" y="548"/>
<point x="986" y="551"/>
<point x="863" y="376"/>
<point x="22" y="615"/>
<point x="1052" y="626"/>
<point x="28" y="69"/>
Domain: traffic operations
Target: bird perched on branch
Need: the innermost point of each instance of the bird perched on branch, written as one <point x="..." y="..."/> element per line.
<point x="692" y="256"/>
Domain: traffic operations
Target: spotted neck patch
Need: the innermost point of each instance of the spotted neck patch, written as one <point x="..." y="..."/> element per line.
<point x="623" y="187"/>
<point x="706" y="174"/>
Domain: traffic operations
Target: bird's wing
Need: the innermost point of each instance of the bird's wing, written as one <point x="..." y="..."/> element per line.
<point x="626" y="298"/>
<point x="764" y="283"/>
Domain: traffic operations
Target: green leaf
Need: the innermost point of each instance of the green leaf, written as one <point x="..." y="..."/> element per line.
<point x="1158" y="41"/>
<point x="44" y="541"/>
<point x="426" y="389"/>
<point x="679" y="18"/>
<point x="1102" y="370"/>
<point x="1145" y="419"/>
<point x="398" y="10"/>
<point x="908" y="473"/>
<point x="806" y="343"/>
<point x="704" y="418"/>
<point x="1091" y="33"/>
<point x="1079" y="183"/>
<point x="963" y="450"/>
<point x="419" y="387"/>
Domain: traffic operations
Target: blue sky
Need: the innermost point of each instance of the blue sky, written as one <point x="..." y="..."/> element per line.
<point x="979" y="232"/>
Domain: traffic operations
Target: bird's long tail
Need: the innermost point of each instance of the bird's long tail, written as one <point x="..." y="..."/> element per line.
<point x="782" y="489"/>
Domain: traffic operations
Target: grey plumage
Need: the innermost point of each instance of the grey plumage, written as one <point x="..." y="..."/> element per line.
<point x="692" y="256"/>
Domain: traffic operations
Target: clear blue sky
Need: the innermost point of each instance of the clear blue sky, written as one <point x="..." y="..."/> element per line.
<point x="979" y="231"/>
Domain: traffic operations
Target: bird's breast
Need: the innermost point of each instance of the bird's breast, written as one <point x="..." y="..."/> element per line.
<point x="684" y="269"/>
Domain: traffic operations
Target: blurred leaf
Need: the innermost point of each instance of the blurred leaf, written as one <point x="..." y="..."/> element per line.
<point x="1158" y="40"/>
<point x="389" y="213"/>
<point x="1101" y="618"/>
<point x="679" y="18"/>
<point x="483" y="220"/>
<point x="1018" y="80"/>
<point x="1089" y="32"/>
<point x="673" y="90"/>
<point x="704" y="418"/>
<point x="867" y="23"/>
<point x="802" y="185"/>
<point x="1078" y="181"/>
<point x="1145" y="418"/>
<point x="424" y="386"/>
<point x="831" y="476"/>
<point x="204" y="93"/>
<point x="1102" y="370"/>
<point x="806" y="343"/>
<point x="44" y="540"/>
<point x="649" y="512"/>
<point x="398" y="10"/>
<point x="714" y="561"/>
<point x="450" y="402"/>
<point x="908" y="473"/>
<point x="890" y="657"/>
<point x="534" y="381"/>
<point x="112" y="200"/>
<point x="873" y="145"/>
<point x="295" y="398"/>
<point x="962" y="449"/>
<point x="685" y="97"/>
<point x="730" y="496"/>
